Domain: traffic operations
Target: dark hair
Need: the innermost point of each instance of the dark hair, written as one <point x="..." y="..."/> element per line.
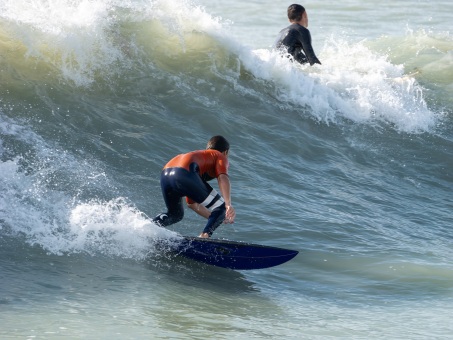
<point x="295" y="12"/>
<point x="218" y="143"/>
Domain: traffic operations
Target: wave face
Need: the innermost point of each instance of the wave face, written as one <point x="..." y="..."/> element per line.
<point x="349" y="163"/>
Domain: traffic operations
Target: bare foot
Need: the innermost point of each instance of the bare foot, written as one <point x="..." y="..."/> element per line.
<point x="204" y="235"/>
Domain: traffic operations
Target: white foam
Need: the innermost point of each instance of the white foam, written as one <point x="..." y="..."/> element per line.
<point x="71" y="36"/>
<point x="39" y="202"/>
<point x="353" y="83"/>
<point x="113" y="228"/>
<point x="85" y="38"/>
<point x="53" y="221"/>
<point x="55" y="16"/>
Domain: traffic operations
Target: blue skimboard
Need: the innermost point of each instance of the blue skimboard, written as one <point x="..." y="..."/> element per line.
<point x="232" y="254"/>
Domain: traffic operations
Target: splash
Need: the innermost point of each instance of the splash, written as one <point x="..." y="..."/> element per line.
<point x="353" y="83"/>
<point x="53" y="221"/>
<point x="86" y="39"/>
<point x="114" y="228"/>
<point x="426" y="55"/>
<point x="70" y="36"/>
<point x="41" y="202"/>
<point x="378" y="89"/>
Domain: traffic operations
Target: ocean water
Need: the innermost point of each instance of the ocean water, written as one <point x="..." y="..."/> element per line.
<point x="349" y="162"/>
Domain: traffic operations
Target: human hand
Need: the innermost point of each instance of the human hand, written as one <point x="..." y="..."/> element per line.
<point x="230" y="214"/>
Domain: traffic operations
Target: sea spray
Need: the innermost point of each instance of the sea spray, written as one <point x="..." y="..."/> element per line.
<point x="353" y="83"/>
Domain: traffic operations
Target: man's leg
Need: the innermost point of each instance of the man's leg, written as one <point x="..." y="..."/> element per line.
<point x="178" y="182"/>
<point x="173" y="201"/>
<point x="215" y="219"/>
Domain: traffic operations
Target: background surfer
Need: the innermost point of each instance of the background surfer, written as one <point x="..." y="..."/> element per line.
<point x="187" y="175"/>
<point x="296" y="39"/>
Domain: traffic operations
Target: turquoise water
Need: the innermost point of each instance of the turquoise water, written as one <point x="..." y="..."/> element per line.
<point x="348" y="162"/>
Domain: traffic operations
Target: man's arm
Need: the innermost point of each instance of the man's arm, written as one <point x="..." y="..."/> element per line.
<point x="225" y="189"/>
<point x="200" y="209"/>
<point x="308" y="49"/>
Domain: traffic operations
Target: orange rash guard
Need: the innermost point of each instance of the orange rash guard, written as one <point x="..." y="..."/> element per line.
<point x="211" y="163"/>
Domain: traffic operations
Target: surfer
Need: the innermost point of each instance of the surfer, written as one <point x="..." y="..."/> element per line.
<point x="187" y="175"/>
<point x="296" y="39"/>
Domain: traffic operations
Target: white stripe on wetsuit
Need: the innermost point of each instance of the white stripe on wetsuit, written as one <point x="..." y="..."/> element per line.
<point x="214" y="200"/>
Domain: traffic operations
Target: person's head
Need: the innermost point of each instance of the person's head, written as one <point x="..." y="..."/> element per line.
<point x="297" y="13"/>
<point x="218" y="143"/>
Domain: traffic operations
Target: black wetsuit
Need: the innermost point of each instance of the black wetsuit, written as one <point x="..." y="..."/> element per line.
<point x="187" y="175"/>
<point x="296" y="40"/>
<point x="179" y="182"/>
